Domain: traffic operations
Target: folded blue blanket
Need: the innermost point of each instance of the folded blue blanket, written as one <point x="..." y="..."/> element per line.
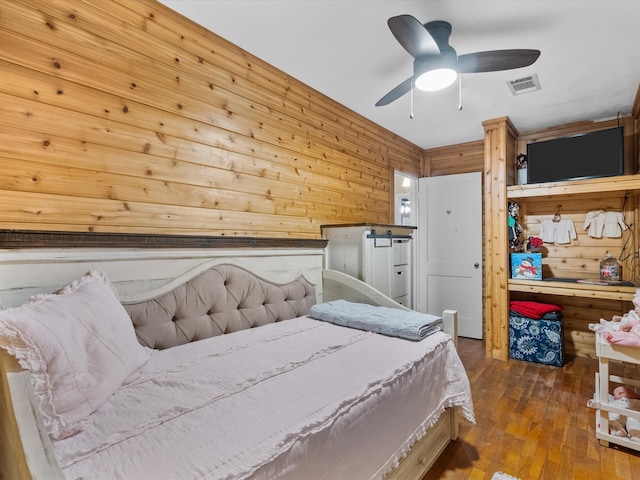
<point x="387" y="321"/>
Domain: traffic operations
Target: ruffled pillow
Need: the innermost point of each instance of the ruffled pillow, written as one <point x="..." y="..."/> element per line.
<point x="79" y="345"/>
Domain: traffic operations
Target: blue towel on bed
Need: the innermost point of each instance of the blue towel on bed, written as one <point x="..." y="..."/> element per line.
<point x="394" y="322"/>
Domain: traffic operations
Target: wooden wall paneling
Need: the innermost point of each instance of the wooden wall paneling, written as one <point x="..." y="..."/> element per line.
<point x="462" y="158"/>
<point x="221" y="181"/>
<point x="175" y="69"/>
<point x="136" y="217"/>
<point x="55" y="150"/>
<point x="173" y="123"/>
<point x="165" y="26"/>
<point x="343" y="122"/>
<point x="581" y="258"/>
<point x="499" y="141"/>
<point x="425" y="165"/>
<point x="630" y="257"/>
<point x="327" y="114"/>
<point x="195" y="158"/>
<point x="224" y="120"/>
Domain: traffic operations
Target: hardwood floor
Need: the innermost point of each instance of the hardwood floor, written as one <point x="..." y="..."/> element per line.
<point x="532" y="422"/>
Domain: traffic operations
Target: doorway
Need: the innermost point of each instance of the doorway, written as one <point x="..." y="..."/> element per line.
<point x="449" y="249"/>
<point x="404" y="189"/>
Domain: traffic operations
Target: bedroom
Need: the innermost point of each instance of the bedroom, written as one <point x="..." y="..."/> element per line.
<point x="126" y="118"/>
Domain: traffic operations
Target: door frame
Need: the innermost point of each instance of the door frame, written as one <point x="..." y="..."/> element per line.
<point x="478" y="303"/>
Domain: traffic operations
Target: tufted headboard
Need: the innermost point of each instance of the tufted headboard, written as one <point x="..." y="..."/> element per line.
<point x="222" y="299"/>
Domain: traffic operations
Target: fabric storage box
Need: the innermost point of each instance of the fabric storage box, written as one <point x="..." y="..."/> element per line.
<point x="526" y="266"/>
<point x="538" y="340"/>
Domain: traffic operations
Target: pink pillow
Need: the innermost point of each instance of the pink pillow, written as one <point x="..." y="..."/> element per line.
<point x="79" y="345"/>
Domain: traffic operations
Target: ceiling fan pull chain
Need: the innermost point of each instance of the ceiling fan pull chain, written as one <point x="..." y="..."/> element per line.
<point x="460" y="92"/>
<point x="411" y="102"/>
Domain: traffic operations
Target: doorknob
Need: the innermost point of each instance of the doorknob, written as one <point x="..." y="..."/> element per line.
<point x="476" y="265"/>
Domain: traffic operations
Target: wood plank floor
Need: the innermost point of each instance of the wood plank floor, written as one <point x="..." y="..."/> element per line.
<point x="532" y="422"/>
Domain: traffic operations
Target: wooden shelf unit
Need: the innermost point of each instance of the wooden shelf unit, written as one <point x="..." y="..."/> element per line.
<point x="574" y="198"/>
<point x="584" y="303"/>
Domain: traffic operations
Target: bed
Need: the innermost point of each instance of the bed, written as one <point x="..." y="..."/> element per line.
<point x="314" y="400"/>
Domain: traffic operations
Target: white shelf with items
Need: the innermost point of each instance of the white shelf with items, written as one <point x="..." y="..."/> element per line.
<point x="606" y="352"/>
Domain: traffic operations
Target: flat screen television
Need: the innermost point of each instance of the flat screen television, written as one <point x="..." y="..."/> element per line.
<point x="590" y="155"/>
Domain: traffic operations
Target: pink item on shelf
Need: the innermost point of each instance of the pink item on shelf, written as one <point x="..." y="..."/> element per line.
<point x="627" y="336"/>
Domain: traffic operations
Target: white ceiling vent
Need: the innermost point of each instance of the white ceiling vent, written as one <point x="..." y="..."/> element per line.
<point x="524" y="84"/>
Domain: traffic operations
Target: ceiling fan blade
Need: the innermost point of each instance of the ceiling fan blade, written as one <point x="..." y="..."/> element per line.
<point x="412" y="35"/>
<point x="495" y="60"/>
<point x="396" y="93"/>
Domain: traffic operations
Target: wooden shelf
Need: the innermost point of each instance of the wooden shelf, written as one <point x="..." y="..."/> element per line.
<point x="619" y="353"/>
<point x="576" y="187"/>
<point x="570" y="289"/>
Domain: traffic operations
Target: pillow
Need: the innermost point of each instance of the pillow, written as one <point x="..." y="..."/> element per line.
<point x="79" y="345"/>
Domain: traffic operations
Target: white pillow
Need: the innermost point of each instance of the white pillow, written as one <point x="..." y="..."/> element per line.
<point x="79" y="345"/>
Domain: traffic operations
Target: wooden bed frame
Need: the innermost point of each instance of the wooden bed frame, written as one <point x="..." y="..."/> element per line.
<point x="25" y="448"/>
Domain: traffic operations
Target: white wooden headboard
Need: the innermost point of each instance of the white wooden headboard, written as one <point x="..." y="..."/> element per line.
<point x="135" y="272"/>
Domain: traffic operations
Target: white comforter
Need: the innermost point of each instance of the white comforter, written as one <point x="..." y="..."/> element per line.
<point x="296" y="399"/>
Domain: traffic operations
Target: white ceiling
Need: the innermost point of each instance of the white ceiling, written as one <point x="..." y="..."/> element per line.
<point x="589" y="67"/>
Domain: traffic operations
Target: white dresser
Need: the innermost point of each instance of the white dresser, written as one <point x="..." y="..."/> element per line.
<point x="379" y="255"/>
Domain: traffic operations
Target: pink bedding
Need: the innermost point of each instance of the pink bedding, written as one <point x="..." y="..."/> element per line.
<point x="293" y="399"/>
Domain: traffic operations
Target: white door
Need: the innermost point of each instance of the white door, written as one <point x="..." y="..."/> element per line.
<point x="449" y="249"/>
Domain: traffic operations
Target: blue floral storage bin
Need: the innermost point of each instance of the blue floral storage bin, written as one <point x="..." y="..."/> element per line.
<point x="538" y="341"/>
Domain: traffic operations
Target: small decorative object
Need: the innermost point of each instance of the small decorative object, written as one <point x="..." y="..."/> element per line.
<point x="534" y="244"/>
<point x="610" y="269"/>
<point x="526" y="266"/>
<point x="521" y="161"/>
<point x="516" y="240"/>
<point x="521" y="168"/>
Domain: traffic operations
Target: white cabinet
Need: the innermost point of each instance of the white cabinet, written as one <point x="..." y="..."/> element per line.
<point x="379" y="255"/>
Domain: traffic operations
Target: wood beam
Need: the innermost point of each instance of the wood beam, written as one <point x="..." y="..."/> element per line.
<point x="499" y="146"/>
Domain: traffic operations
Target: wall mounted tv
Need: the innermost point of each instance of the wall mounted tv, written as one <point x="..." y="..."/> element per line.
<point x="591" y="155"/>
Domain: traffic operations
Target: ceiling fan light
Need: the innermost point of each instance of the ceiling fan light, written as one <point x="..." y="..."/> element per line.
<point x="436" y="79"/>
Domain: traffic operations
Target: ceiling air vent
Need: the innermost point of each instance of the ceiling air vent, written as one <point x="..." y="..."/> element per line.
<point x="524" y="84"/>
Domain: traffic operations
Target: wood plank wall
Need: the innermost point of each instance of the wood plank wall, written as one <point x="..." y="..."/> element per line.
<point x="122" y="116"/>
<point x="453" y="159"/>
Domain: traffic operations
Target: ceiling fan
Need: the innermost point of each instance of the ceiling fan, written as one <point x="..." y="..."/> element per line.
<point x="436" y="64"/>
